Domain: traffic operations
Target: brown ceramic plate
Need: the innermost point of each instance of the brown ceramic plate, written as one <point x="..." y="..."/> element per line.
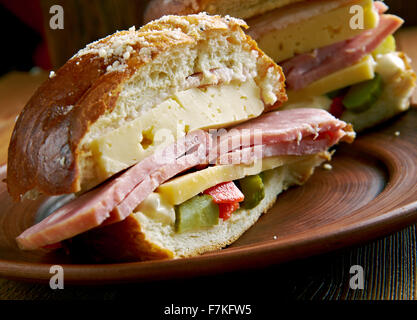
<point x="371" y="191"/>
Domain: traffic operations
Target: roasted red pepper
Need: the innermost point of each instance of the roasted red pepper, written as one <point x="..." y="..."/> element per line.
<point x="227" y="196"/>
<point x="225" y="192"/>
<point x="226" y="209"/>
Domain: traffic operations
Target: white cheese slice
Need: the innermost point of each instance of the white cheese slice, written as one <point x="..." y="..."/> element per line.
<point x="196" y="108"/>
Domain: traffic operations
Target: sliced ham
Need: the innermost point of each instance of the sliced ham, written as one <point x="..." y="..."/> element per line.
<point x="304" y="69"/>
<point x="380" y="7"/>
<point x="142" y="190"/>
<point x="298" y="132"/>
<point x="93" y="208"/>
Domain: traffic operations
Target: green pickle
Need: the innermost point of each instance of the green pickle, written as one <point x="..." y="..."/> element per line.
<point x="196" y="213"/>
<point x="253" y="189"/>
<point x="361" y="96"/>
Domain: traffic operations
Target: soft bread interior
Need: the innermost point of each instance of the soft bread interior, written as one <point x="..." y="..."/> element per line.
<point x="207" y="54"/>
<point x="140" y="237"/>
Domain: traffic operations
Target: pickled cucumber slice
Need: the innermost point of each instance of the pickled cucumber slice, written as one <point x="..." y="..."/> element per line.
<point x="362" y="95"/>
<point x="253" y="189"/>
<point x="196" y="213"/>
<point x="387" y="46"/>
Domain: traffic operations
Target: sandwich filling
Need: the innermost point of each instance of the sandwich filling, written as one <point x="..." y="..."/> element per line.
<point x="302" y="27"/>
<point x="206" y="107"/>
<point x="277" y="138"/>
<point x="355" y="74"/>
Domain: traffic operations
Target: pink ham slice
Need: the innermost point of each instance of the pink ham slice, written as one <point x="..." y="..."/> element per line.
<point x="95" y="207"/>
<point x="142" y="190"/>
<point x="304" y="69"/>
<point x="298" y="132"/>
<point x="380" y="7"/>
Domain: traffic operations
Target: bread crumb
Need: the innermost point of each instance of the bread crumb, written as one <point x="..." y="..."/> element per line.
<point x="397" y="133"/>
<point x="102" y="53"/>
<point x="126" y="55"/>
<point x="327" y="166"/>
<point x="51" y="74"/>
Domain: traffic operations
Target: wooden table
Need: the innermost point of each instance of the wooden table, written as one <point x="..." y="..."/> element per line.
<point x="390" y="263"/>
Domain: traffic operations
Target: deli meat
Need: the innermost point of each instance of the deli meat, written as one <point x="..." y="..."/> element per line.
<point x="299" y="132"/>
<point x="93" y="208"/>
<point x="304" y="69"/>
<point x="295" y="132"/>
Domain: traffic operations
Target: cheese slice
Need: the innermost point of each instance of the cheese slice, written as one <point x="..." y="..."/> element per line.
<point x="318" y="31"/>
<point x="196" y="108"/>
<point x="364" y="70"/>
<point x="184" y="187"/>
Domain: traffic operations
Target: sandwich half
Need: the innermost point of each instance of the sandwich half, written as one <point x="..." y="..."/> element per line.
<point x="169" y="140"/>
<point x="337" y="55"/>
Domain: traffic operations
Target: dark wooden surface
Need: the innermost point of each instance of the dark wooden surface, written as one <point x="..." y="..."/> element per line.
<point x="87" y="21"/>
<point x="390" y="266"/>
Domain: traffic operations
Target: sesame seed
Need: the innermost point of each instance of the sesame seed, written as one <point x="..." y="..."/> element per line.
<point x="397" y="133"/>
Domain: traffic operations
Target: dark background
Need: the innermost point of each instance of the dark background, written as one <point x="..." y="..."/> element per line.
<point x="28" y="41"/>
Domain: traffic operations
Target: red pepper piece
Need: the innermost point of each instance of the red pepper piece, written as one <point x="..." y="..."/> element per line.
<point x="226" y="209"/>
<point x="225" y="192"/>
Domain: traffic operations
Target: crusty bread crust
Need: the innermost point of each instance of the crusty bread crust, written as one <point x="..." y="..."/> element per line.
<point x="122" y="241"/>
<point x="44" y="150"/>
<point x="238" y="8"/>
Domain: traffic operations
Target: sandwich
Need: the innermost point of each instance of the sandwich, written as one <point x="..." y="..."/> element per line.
<point x="337" y="55"/>
<point x="169" y="140"/>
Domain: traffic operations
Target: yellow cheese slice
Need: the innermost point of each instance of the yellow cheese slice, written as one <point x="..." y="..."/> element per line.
<point x="361" y="71"/>
<point x="318" y="31"/>
<point x="196" y="108"/>
<point x="184" y="187"/>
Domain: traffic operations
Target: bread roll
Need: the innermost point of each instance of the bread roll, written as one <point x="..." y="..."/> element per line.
<point x="119" y="79"/>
